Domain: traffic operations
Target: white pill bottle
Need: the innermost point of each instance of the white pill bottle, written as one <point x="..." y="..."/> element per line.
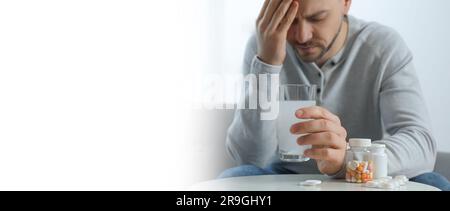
<point x="380" y="160"/>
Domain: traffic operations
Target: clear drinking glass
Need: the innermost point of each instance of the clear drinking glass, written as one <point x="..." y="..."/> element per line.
<point x="292" y="98"/>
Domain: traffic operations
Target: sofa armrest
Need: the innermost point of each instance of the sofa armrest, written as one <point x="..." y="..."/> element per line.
<point x="443" y="164"/>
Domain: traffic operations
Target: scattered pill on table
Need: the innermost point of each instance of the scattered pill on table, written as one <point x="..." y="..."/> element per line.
<point x="311" y="183"/>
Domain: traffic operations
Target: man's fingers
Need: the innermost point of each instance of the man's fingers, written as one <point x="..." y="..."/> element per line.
<point x="326" y="154"/>
<point x="279" y="14"/>
<point x="263" y="10"/>
<point x="318" y="126"/>
<point x="316" y="112"/>
<point x="290" y="17"/>
<point x="325" y="139"/>
<point x="271" y="8"/>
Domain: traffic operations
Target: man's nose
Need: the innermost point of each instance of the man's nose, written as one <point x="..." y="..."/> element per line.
<point x="303" y="33"/>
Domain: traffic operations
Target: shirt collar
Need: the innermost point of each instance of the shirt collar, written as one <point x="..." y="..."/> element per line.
<point x="340" y="56"/>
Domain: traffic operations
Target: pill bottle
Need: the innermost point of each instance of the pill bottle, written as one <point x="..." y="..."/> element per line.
<point x="358" y="159"/>
<point x="380" y="160"/>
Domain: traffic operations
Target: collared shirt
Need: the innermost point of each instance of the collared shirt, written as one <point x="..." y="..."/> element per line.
<point x="370" y="84"/>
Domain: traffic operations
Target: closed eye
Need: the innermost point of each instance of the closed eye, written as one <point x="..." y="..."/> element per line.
<point x="320" y="16"/>
<point x="315" y="20"/>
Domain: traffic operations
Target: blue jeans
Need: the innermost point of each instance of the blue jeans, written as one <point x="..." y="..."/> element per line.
<point x="432" y="179"/>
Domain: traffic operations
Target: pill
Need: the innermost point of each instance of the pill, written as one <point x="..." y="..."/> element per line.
<point x="372" y="184"/>
<point x="400" y="182"/>
<point x="353" y="165"/>
<point x="396" y="183"/>
<point x="311" y="183"/>
<point x="402" y="178"/>
<point x="388" y="185"/>
<point x="386" y="178"/>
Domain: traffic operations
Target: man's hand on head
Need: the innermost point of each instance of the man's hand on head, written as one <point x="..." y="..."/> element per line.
<point x="273" y="24"/>
<point x="326" y="135"/>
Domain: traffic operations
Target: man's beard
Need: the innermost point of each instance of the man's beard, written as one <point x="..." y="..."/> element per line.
<point x="323" y="50"/>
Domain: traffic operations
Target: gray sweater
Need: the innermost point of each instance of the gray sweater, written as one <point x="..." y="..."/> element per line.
<point x="370" y="84"/>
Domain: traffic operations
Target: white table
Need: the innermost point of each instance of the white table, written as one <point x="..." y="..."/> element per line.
<point x="291" y="183"/>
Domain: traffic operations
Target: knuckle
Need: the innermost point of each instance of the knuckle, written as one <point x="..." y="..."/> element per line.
<point x="330" y="136"/>
<point x="279" y="13"/>
<point x="290" y="18"/>
<point x="261" y="27"/>
<point x="338" y="120"/>
<point x="324" y="123"/>
<point x="323" y="112"/>
<point x="333" y="139"/>
<point x="272" y="32"/>
<point x="344" y="132"/>
<point x="286" y="20"/>
<point x="326" y="153"/>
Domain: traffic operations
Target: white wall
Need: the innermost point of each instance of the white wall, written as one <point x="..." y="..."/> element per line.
<point x="423" y="24"/>
<point x="90" y="94"/>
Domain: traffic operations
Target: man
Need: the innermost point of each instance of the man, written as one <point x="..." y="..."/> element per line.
<point x="367" y="88"/>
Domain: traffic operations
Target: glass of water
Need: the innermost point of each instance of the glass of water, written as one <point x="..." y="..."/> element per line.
<point x="292" y="98"/>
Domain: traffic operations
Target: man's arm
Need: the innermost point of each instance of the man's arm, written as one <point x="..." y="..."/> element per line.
<point x="251" y="140"/>
<point x="408" y="137"/>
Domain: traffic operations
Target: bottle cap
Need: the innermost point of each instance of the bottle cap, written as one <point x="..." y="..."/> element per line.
<point x="378" y="146"/>
<point x="360" y="142"/>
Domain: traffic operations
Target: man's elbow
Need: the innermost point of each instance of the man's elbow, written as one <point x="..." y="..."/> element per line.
<point x="241" y="154"/>
<point x="232" y="152"/>
<point x="430" y="151"/>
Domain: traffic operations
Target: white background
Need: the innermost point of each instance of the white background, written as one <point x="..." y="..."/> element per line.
<point x="95" y="94"/>
<point x="92" y="96"/>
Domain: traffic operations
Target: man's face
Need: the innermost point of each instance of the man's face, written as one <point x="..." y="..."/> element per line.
<point x="316" y="26"/>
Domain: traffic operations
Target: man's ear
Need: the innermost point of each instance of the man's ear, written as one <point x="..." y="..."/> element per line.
<point x="347" y="4"/>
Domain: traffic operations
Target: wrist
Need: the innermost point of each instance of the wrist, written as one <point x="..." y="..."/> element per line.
<point x="273" y="62"/>
<point x="340" y="173"/>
